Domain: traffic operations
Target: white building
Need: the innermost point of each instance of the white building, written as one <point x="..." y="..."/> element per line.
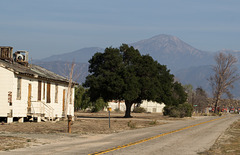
<point x="149" y="106"/>
<point x="152" y="107"/>
<point x="30" y="91"/>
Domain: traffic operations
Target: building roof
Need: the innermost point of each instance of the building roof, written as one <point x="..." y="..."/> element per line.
<point x="32" y="71"/>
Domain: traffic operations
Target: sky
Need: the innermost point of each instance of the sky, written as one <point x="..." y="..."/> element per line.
<point x="51" y="27"/>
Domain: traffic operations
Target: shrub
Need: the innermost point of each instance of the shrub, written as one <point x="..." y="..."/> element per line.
<point x="166" y="110"/>
<point x="154" y="122"/>
<point x="185" y="110"/>
<point x="98" y="105"/>
<point x="182" y="110"/>
<point x="131" y="125"/>
<point x="139" y="110"/>
<point x="175" y="112"/>
<point x="171" y="111"/>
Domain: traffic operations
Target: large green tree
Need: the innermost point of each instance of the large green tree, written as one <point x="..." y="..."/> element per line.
<point x="78" y="103"/>
<point x="124" y="74"/>
<point x="82" y="101"/>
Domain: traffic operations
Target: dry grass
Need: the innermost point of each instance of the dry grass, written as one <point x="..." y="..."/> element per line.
<point x="228" y="143"/>
<point x="9" y="143"/>
<point x="86" y="123"/>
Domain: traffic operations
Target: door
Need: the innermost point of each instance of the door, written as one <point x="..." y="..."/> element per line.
<point x="64" y="93"/>
<point x="48" y="93"/>
<point x="29" y="97"/>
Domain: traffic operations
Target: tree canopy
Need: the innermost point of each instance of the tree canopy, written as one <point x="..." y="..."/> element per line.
<point x="124" y="74"/>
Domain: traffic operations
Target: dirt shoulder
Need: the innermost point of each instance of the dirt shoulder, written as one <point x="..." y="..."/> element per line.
<point x="88" y="123"/>
<point x="17" y="135"/>
<point x="227" y="143"/>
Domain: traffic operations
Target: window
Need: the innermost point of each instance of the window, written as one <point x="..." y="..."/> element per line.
<point x="19" y="85"/>
<point x="10" y="98"/>
<point x="48" y="93"/>
<point x="64" y="94"/>
<point x="39" y="90"/>
<point x="71" y="95"/>
<point x="43" y="90"/>
<point x="56" y="93"/>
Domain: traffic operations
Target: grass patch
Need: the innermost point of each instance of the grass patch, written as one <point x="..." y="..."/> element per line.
<point x="131" y="124"/>
<point x="154" y="122"/>
<point x="10" y="143"/>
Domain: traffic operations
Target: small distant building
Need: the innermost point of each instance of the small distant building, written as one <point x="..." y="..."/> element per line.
<point x="152" y="107"/>
<point x="149" y="106"/>
<point x="29" y="91"/>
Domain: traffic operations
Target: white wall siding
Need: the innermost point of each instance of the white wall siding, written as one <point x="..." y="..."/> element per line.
<point x="20" y="106"/>
<point x="6" y="85"/>
<point x="117" y="105"/>
<point x="152" y="107"/>
<point x="57" y="106"/>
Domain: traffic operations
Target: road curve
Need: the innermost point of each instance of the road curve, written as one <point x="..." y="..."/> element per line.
<point x="181" y="137"/>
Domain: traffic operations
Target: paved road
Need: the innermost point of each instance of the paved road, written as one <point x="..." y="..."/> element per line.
<point x="177" y="137"/>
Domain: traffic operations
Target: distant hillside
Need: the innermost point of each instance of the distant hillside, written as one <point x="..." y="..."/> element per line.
<point x="166" y="49"/>
<point x="173" y="52"/>
<point x="82" y="55"/>
<point x="188" y="64"/>
<point x="198" y="77"/>
<point x="63" y="68"/>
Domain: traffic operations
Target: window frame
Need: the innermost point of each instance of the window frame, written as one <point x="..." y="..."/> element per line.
<point x="39" y="90"/>
<point x="19" y="88"/>
<point x="56" y="93"/>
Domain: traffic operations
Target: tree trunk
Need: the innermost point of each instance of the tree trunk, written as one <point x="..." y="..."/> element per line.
<point x="217" y="99"/>
<point x="128" y="109"/>
<point x="216" y="105"/>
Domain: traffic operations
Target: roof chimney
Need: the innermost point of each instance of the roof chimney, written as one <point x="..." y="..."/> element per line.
<point x="6" y="53"/>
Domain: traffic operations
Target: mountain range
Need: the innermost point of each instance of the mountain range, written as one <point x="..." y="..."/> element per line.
<point x="188" y="64"/>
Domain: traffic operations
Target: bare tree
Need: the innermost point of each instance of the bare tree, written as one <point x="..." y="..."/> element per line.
<point x="225" y="74"/>
<point x="68" y="100"/>
<point x="188" y="88"/>
<point x="66" y="71"/>
<point x="200" y="100"/>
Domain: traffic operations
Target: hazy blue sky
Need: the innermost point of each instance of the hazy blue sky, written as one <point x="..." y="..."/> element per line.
<point x="47" y="27"/>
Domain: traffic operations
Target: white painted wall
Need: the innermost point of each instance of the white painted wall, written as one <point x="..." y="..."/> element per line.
<point x="116" y="105"/>
<point x="8" y="82"/>
<point x="152" y="107"/>
<point x="20" y="106"/>
<point x="57" y="106"/>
